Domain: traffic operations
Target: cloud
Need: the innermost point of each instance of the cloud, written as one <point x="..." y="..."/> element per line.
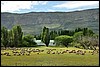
<point x="55" y="10"/>
<point x="50" y="10"/>
<point x="11" y="6"/>
<point x="78" y="4"/>
<point x="43" y="2"/>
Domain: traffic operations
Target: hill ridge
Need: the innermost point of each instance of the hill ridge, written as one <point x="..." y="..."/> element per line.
<point x="33" y="22"/>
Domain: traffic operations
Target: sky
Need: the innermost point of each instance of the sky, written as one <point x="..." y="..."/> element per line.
<point x="46" y="6"/>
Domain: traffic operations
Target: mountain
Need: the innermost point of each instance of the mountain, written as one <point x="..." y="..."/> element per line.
<point x="33" y="22"/>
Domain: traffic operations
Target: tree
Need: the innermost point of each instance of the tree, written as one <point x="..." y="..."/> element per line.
<point x="17" y="35"/>
<point x="87" y="32"/>
<point x="4" y="36"/>
<point x="20" y="34"/>
<point x="45" y="36"/>
<point x="59" y="32"/>
<point x="28" y="41"/>
<point x="53" y="34"/>
<point x="78" y="29"/>
<point x="71" y="33"/>
<point x="63" y="40"/>
<point x="85" y="41"/>
<point x="38" y="37"/>
<point x="10" y="38"/>
<point x="77" y="37"/>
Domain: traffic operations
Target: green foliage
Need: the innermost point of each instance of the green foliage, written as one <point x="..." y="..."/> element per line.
<point x="87" y="32"/>
<point x="86" y="39"/>
<point x="20" y="34"/>
<point x="4" y="36"/>
<point x="28" y="41"/>
<point x="38" y="37"/>
<point x="77" y="45"/>
<point x="77" y="36"/>
<point x="78" y="29"/>
<point x="53" y="34"/>
<point x="10" y="36"/>
<point x="17" y="35"/>
<point x="65" y="32"/>
<point x="45" y="36"/>
<point x="63" y="40"/>
<point x="80" y="38"/>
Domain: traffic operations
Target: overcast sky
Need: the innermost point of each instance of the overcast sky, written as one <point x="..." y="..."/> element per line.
<point x="46" y="6"/>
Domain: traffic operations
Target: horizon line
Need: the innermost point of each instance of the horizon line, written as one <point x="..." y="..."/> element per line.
<point x="52" y="11"/>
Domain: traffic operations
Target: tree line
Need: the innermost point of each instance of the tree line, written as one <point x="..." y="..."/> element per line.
<point x="80" y="37"/>
<point x="15" y="38"/>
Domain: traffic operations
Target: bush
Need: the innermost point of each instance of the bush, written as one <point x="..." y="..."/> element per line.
<point x="77" y="45"/>
<point x="81" y="47"/>
<point x="63" y="40"/>
<point x="28" y="41"/>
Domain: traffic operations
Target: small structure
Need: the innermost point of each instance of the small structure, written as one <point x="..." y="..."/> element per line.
<point x="39" y="42"/>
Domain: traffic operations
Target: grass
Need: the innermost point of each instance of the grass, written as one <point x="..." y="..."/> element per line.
<point x="44" y="59"/>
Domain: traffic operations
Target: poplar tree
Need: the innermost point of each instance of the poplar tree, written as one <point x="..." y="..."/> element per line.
<point x="45" y="36"/>
<point x="17" y="35"/>
<point x="4" y="36"/>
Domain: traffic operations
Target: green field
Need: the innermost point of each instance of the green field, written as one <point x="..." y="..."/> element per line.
<point x="44" y="59"/>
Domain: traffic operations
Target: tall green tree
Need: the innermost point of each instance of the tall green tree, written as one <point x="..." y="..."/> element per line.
<point x="10" y="38"/>
<point x="45" y="36"/>
<point x="17" y="35"/>
<point x="53" y="34"/>
<point x="20" y="34"/>
<point x="4" y="36"/>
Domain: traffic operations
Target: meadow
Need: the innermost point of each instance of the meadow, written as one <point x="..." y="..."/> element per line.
<point x="44" y="59"/>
